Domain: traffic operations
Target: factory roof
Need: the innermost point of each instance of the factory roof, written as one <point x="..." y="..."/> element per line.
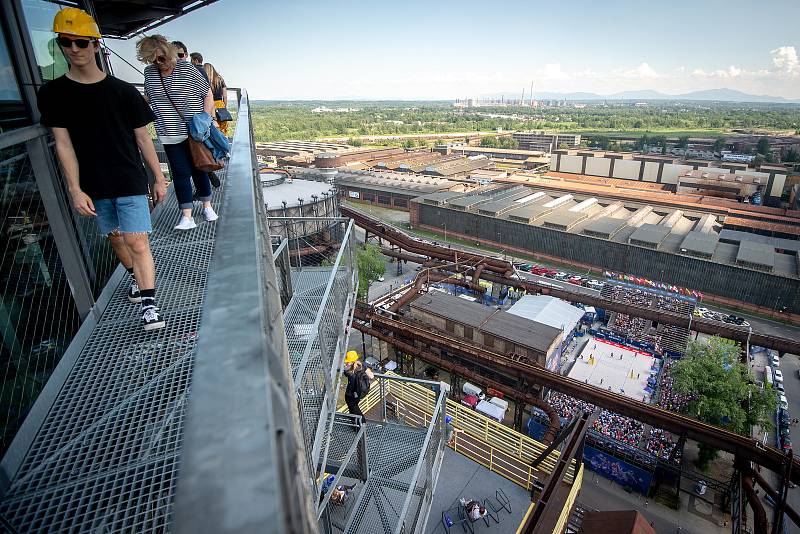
<point x="696" y="230"/>
<point x="649" y="235"/>
<point x="440" y="197"/>
<point x="504" y="325"/>
<point x="700" y="243"/>
<point x="393" y="182"/>
<point x="755" y="253"/>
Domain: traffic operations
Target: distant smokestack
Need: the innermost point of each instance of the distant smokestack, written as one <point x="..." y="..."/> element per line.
<point x="522" y="100"/>
<point x="531" y="94"/>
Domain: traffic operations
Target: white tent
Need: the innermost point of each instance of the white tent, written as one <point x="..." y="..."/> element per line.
<point x="548" y="310"/>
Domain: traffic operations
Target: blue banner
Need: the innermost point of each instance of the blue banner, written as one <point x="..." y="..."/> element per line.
<point x="617" y="470"/>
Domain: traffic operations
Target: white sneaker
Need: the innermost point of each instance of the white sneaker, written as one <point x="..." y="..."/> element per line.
<point x="209" y="214"/>
<point x="187" y="223"/>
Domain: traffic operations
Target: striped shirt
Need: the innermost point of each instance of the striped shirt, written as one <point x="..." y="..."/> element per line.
<point x="186" y="87"/>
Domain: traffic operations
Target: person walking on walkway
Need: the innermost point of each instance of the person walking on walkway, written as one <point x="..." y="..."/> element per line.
<point x="176" y="91"/>
<point x="358" y="383"/>
<point x="220" y="92"/>
<point x="100" y="126"/>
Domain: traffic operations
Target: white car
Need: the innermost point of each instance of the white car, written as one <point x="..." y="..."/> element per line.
<point x="775" y="361"/>
<point x="784" y="404"/>
<point x="778" y="375"/>
<point x="381" y="279"/>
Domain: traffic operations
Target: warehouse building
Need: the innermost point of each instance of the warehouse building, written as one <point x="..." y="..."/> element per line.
<point x="554" y="313"/>
<point x="691" y="246"/>
<point x="544" y="141"/>
<point x="389" y="189"/>
<point x="498" y="330"/>
<point x="662" y="170"/>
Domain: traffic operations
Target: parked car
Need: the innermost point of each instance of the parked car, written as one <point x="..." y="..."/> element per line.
<point x="561" y="275"/>
<point x="700" y="487"/>
<point x="775" y="360"/>
<point x="782" y="402"/>
<point x="575" y="280"/>
<point x="381" y="279"/>
<point x="594" y="284"/>
<point x="778" y="375"/>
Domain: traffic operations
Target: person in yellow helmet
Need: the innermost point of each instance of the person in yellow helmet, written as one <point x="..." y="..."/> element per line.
<point x="100" y="126"/>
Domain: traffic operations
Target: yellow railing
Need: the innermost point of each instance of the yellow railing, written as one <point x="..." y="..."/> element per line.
<point x="573" y="494"/>
<point x="497" y="447"/>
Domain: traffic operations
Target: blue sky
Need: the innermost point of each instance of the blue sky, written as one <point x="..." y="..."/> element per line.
<point x="446" y="50"/>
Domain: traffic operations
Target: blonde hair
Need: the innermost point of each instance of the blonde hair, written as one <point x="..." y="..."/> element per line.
<point x="214" y="78"/>
<point x="147" y="49"/>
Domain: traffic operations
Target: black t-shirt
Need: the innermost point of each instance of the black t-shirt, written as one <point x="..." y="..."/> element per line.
<point x="100" y="118"/>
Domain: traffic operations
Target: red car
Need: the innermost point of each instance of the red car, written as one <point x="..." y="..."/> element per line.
<point x="469" y="401"/>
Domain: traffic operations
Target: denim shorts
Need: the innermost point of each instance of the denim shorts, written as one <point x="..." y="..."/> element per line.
<point x="129" y="215"/>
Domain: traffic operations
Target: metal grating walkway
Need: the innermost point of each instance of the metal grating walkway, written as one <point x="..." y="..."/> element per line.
<point x="105" y="456"/>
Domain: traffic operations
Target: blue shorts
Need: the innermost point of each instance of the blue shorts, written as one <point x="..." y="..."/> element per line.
<point x="129" y="215"/>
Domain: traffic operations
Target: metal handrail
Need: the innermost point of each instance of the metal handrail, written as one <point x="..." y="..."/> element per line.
<point x="438" y="416"/>
<point x="242" y="464"/>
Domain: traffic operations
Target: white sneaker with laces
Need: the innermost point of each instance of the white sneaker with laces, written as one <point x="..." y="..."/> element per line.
<point x="187" y="223"/>
<point x="209" y="214"/>
<point x="151" y="319"/>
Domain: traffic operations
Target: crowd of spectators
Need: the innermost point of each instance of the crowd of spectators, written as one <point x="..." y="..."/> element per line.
<point x="667" y="397"/>
<point x="568" y="407"/>
<point x="646" y="299"/>
<point x="619" y="427"/>
<point x="635" y="329"/>
<point x="660" y="443"/>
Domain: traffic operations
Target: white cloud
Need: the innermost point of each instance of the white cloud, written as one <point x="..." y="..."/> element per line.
<point x="552" y="71"/>
<point x="644" y="71"/>
<point x="786" y="62"/>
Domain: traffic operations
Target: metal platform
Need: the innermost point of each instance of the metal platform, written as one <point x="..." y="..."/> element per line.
<point x="100" y="449"/>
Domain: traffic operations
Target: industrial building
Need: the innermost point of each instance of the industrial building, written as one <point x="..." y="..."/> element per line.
<point x="508" y="333"/>
<point x="687" y="245"/>
<point x="552" y="312"/>
<point x="545" y="141"/>
<point x="661" y="170"/>
<point x="290" y="201"/>
<point x="297" y="152"/>
<point x="497" y="153"/>
<point x="389" y="189"/>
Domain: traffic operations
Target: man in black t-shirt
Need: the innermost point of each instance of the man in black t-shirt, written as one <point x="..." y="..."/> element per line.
<point x="100" y="125"/>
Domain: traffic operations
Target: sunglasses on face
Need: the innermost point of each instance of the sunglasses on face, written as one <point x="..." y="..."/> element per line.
<point x="161" y="59"/>
<point x="181" y="55"/>
<point x="66" y="42"/>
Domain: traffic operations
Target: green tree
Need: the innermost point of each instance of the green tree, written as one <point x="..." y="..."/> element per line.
<point x="763" y="146"/>
<point x="563" y="146"/>
<point x="371" y="266"/>
<point x="683" y="141"/>
<point x="489" y="142"/>
<point x="792" y="155"/>
<point x="722" y="390"/>
<point x="354" y="142"/>
<point x="719" y="144"/>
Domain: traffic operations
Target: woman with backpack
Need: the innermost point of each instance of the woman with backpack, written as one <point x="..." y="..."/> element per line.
<point x="358" y="382"/>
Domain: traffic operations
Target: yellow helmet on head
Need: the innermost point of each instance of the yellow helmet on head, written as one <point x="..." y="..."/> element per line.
<point x="350" y="357"/>
<point x="76" y="21"/>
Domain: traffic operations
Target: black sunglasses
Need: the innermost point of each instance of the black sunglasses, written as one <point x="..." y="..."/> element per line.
<point x="66" y="42"/>
<point x="181" y="55"/>
<point x="161" y="59"/>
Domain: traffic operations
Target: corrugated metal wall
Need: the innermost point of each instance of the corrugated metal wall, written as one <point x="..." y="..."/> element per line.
<point x="762" y="289"/>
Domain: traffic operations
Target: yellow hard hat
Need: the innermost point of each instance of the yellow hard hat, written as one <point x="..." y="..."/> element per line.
<point x="351" y="356"/>
<point x="75" y="21"/>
